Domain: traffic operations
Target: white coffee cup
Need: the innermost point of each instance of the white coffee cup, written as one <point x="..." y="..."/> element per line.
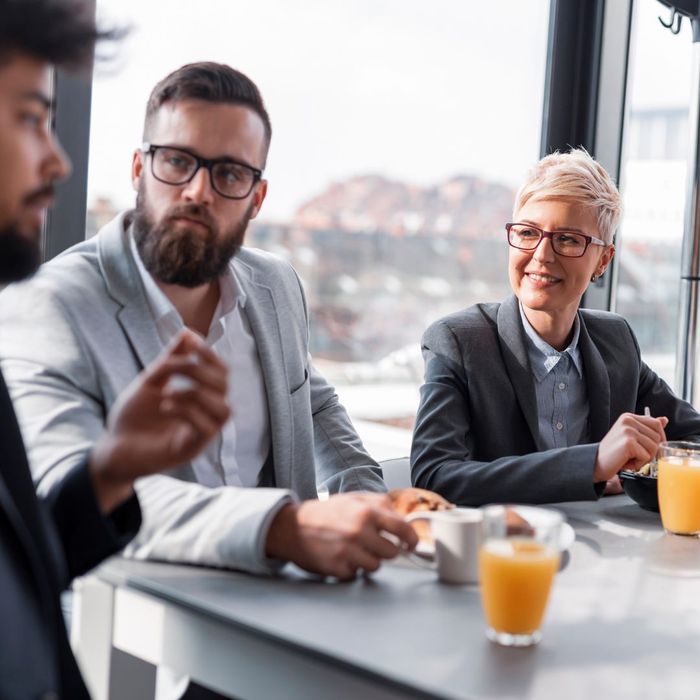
<point x="457" y="535"/>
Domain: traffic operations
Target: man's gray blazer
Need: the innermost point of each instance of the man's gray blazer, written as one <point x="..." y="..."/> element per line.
<point x="476" y="438"/>
<point x="78" y="332"/>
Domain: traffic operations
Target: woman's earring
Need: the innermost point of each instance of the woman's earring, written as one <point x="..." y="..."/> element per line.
<point x="594" y="277"/>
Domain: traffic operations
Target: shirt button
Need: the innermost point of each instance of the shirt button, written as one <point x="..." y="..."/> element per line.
<point x="562" y="386"/>
<point x="559" y="426"/>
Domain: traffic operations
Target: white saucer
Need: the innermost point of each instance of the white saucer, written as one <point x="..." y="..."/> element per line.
<point x="532" y="514"/>
<point x="567" y="536"/>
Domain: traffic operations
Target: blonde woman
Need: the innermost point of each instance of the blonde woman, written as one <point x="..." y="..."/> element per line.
<point x="534" y="400"/>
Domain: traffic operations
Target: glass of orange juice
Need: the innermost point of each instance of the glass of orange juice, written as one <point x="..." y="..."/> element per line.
<point x="517" y="563"/>
<point x="679" y="487"/>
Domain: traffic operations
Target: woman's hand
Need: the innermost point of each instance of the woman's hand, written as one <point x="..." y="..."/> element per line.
<point x="613" y="487"/>
<point x="631" y="442"/>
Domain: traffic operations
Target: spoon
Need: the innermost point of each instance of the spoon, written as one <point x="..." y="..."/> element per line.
<point x="652" y="464"/>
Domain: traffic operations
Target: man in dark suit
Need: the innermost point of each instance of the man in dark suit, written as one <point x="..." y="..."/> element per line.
<point x="93" y="512"/>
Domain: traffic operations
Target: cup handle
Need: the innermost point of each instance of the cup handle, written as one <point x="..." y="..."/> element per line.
<point x="424" y="561"/>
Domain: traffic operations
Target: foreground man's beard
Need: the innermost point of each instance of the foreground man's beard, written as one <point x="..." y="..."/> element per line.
<point x="20" y="256"/>
<point x="179" y="255"/>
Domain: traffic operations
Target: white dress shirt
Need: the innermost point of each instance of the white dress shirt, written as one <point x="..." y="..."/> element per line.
<point x="237" y="454"/>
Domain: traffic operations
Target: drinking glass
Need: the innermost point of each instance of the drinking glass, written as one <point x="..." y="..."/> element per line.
<point x="679" y="487"/>
<point x="517" y="563"/>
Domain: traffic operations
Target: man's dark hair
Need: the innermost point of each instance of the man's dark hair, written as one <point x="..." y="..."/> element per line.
<point x="212" y="82"/>
<point x="60" y="32"/>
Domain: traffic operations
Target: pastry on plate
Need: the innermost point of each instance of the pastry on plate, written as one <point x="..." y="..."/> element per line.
<point x="410" y="500"/>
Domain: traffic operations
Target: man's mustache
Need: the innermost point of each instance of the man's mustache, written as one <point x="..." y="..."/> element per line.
<point x="194" y="212"/>
<point x="41" y="195"/>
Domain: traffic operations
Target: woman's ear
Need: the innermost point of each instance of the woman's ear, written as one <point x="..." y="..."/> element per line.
<point x="605" y="259"/>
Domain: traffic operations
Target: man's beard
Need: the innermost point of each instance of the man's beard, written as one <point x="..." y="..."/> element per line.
<point x="175" y="254"/>
<point x="20" y="255"/>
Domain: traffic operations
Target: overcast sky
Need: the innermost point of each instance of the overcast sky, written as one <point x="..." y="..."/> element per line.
<point x="413" y="90"/>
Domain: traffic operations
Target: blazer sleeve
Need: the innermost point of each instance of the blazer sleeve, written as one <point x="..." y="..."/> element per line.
<point x="443" y="451"/>
<point x="58" y="403"/>
<point x="683" y="419"/>
<point x="342" y="463"/>
<point x="86" y="535"/>
<point x="78" y="535"/>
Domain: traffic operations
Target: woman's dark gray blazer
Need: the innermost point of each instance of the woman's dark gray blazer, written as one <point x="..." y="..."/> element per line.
<point x="476" y="439"/>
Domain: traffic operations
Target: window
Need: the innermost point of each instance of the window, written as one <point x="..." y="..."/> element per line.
<point x="653" y="183"/>
<point x="400" y="131"/>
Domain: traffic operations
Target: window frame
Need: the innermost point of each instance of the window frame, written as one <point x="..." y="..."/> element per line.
<point x="585" y="93"/>
<point x="66" y="220"/>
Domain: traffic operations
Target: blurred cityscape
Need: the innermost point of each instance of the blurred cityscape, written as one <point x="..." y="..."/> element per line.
<point x="381" y="259"/>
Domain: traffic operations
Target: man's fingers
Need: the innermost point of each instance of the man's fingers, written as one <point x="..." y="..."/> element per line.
<point x="389" y="521"/>
<point x="165" y="367"/>
<point x="190" y="342"/>
<point x="210" y="402"/>
<point x="360" y="558"/>
<point x="343" y="572"/>
<point x="201" y="422"/>
<point x="188" y="366"/>
<point x="381" y="546"/>
<point x="185" y="341"/>
<point x="377" y="500"/>
<point x="185" y="441"/>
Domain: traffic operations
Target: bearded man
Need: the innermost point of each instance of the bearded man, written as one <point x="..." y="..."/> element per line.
<point x="93" y="317"/>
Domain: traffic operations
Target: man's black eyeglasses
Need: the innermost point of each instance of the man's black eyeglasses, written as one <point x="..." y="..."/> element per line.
<point x="177" y="166"/>
<point x="570" y="244"/>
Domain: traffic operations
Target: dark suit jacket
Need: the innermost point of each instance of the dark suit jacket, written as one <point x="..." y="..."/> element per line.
<point x="42" y="546"/>
<point x="476" y="439"/>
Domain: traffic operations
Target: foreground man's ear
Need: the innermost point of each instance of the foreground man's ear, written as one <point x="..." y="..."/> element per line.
<point x="137" y="165"/>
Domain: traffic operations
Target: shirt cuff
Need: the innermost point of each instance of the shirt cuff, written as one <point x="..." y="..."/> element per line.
<point x="273" y="565"/>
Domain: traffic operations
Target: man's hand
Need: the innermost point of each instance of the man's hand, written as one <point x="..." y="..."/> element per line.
<point x="339" y="536"/>
<point x="164" y="418"/>
<point x="631" y="442"/>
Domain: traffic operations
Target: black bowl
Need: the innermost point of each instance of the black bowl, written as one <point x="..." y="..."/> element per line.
<point x="641" y="489"/>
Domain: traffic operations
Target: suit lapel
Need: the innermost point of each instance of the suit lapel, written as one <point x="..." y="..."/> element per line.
<point x="597" y="384"/>
<point x="124" y="285"/>
<point x="514" y="351"/>
<point x="262" y="313"/>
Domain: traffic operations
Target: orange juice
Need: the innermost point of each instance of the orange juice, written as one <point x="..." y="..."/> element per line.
<point x="516" y="575"/>
<point x="679" y="494"/>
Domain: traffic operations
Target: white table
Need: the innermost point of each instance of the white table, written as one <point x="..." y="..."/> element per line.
<point x="623" y="622"/>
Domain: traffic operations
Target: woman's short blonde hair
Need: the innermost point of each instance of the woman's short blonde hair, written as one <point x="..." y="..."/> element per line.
<point x="574" y="176"/>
